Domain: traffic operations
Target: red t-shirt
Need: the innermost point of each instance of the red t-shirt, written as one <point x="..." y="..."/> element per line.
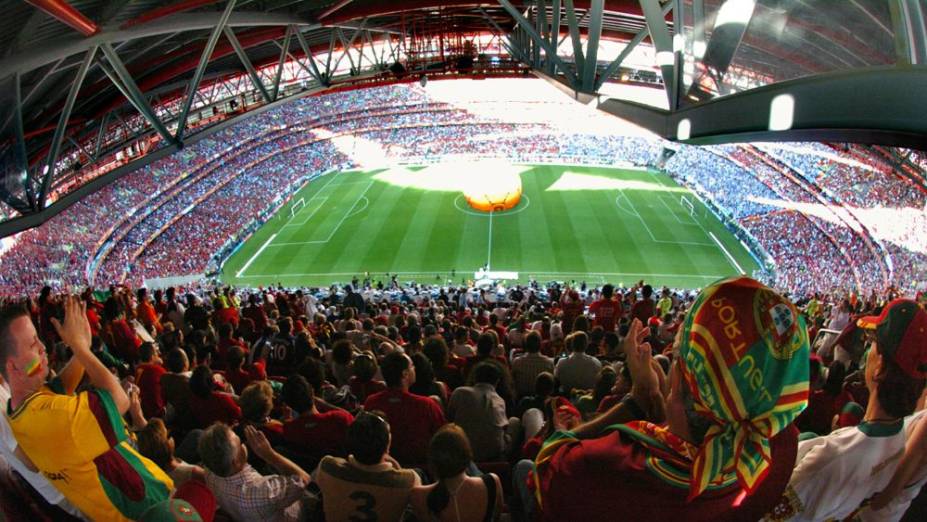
<point x="606" y="314"/>
<point x="413" y="420"/>
<point x="319" y="434"/>
<point x="218" y="407"/>
<point x="240" y="378"/>
<point x="362" y="390"/>
<point x="148" y="379"/>
<point x="642" y="310"/>
<point x="608" y="478"/>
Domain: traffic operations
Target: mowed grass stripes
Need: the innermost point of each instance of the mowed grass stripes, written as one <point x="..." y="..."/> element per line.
<point x="573" y="223"/>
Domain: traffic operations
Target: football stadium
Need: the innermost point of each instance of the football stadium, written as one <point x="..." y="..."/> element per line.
<point x="462" y="260"/>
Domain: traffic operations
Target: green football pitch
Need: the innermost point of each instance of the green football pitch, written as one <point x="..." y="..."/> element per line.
<point x="572" y="223"/>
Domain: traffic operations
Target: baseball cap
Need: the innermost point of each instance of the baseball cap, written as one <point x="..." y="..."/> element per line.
<point x="901" y="334"/>
<point x="745" y="356"/>
<point x="171" y="510"/>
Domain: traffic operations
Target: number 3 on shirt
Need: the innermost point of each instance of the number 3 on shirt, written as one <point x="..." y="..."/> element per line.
<point x="365" y="508"/>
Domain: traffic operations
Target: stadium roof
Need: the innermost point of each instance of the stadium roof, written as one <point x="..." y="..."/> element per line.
<point x="732" y="69"/>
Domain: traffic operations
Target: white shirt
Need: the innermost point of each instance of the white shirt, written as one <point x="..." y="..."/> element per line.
<point x="900" y="504"/>
<point x="579" y="370"/>
<point x="8" y="447"/>
<point x="834" y="474"/>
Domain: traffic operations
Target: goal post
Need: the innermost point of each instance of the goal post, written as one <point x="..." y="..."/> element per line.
<point x="687" y="204"/>
<point x="298" y="205"/>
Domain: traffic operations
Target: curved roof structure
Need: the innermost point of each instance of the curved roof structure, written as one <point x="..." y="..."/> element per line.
<point x="85" y="80"/>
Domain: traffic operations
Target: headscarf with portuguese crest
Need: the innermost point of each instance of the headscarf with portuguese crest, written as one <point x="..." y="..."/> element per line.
<point x="745" y="356"/>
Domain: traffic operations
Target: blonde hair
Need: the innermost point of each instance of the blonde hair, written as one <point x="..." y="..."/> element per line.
<point x="256" y="401"/>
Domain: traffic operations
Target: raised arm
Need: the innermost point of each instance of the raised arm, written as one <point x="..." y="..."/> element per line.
<point x="75" y="332"/>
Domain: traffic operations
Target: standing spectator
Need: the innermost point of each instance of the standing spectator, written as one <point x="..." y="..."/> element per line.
<point x="526" y="368"/>
<point x="414" y="418"/>
<point x="241" y="491"/>
<point x="579" y="370"/>
<point x="606" y="311"/>
<point x="148" y="378"/>
<point x="369" y="484"/>
<point x="643" y="310"/>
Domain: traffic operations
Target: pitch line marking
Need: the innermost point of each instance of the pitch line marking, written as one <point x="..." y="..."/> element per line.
<point x="506" y="213"/>
<point x="323" y="199"/>
<point x="728" y="254"/>
<point x="440" y="272"/>
<point x="338" y="226"/>
<point x="255" y="256"/>
<point x="363" y="208"/>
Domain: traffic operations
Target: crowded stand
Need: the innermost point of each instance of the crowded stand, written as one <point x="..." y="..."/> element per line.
<point x="403" y="401"/>
<point x="132" y="228"/>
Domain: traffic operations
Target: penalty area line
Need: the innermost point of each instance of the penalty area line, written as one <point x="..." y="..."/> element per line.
<point x="255" y="256"/>
<point x="726" y="253"/>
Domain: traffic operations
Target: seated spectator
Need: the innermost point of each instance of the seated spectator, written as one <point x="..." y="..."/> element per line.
<point x="210" y="405"/>
<point x="369" y="484"/>
<point x="227" y="341"/>
<point x="117" y="334"/>
<point x="456" y="495"/>
<point x="342" y="357"/>
<point x="486" y="345"/>
<point x="148" y="378"/>
<point x="892" y="503"/>
<point x="588" y="404"/>
<point x="363" y="382"/>
<point x="155" y="443"/>
<point x="146" y="314"/>
<point x="445" y="365"/>
<point x="241" y="491"/>
<point x="526" y="368"/>
<point x="257" y="401"/>
<point x="544" y="385"/>
<point x="691" y="467"/>
<point x="311" y="432"/>
<point x="480" y="411"/>
<point x="836" y="473"/>
<point x="78" y="441"/>
<point x="239" y="376"/>
<point x="578" y="370"/>
<point x="425" y="383"/>
<point x="462" y="347"/>
<point x="414" y="418"/>
<point x="175" y="389"/>
<point x="825" y="403"/>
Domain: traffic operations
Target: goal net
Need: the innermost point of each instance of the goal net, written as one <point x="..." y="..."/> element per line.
<point x="298" y="205"/>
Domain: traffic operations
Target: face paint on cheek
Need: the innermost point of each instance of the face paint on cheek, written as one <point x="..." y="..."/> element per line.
<point x="34" y="367"/>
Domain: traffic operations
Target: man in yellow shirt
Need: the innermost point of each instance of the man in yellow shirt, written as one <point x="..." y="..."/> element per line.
<point x="78" y="442"/>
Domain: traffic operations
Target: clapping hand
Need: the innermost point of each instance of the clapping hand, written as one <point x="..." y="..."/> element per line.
<point x="258" y="443"/>
<point x="75" y="332"/>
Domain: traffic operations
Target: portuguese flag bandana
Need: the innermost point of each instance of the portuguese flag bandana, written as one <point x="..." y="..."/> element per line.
<point x="744" y="355"/>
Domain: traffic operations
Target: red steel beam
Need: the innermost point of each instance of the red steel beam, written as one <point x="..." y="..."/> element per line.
<point x="167" y="10"/>
<point x="62" y="11"/>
